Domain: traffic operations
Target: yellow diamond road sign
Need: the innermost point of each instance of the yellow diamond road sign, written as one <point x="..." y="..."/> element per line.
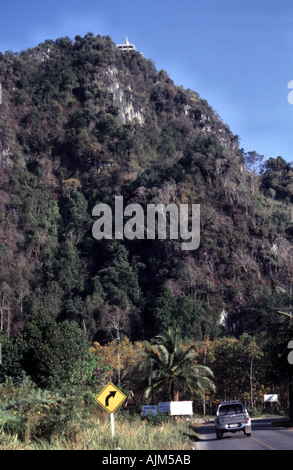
<point x="110" y="398"/>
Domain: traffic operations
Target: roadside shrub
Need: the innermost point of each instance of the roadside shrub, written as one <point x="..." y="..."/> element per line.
<point x="32" y="413"/>
<point x="23" y="407"/>
<point x="156" y="420"/>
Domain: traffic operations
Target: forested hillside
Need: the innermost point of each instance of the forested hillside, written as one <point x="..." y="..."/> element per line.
<point x="82" y="122"/>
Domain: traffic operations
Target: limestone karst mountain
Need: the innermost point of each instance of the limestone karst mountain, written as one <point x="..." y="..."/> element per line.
<point x="81" y="122"/>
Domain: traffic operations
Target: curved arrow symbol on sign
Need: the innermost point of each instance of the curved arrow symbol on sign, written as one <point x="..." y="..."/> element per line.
<point x="111" y="394"/>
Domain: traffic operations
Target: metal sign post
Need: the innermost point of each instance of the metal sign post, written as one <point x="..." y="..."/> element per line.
<point x="110" y="398"/>
<point x="112" y="424"/>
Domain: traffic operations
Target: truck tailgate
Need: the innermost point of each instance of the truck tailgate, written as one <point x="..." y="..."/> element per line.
<point x="232" y="419"/>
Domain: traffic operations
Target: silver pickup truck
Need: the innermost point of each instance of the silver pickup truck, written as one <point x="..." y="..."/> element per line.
<point x="232" y="416"/>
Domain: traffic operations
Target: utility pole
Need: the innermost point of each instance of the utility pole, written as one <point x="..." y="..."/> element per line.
<point x="152" y="386"/>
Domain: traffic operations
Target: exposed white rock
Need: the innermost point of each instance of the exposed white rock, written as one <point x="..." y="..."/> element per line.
<point x="127" y="112"/>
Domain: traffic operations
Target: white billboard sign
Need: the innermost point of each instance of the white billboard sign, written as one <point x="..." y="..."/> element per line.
<point x="272" y="398"/>
<point x="181" y="408"/>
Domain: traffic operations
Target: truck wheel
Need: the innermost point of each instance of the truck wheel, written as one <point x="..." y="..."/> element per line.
<point x="219" y="434"/>
<point x="247" y="432"/>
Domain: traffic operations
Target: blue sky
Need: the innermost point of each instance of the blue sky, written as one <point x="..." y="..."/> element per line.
<point x="237" y="54"/>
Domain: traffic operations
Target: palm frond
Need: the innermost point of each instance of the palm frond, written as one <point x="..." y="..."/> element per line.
<point x="174" y="367"/>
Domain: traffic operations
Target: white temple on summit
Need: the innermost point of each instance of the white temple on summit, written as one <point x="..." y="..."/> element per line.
<point x="127" y="47"/>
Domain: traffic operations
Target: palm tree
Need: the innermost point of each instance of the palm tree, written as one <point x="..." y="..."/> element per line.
<point x="173" y="367"/>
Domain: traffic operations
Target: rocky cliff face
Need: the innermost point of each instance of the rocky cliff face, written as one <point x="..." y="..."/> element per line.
<point x="124" y="103"/>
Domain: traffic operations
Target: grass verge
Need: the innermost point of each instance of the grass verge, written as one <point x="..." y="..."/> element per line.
<point x="132" y="433"/>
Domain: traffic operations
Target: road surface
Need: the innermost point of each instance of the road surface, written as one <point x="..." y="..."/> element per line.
<point x="264" y="437"/>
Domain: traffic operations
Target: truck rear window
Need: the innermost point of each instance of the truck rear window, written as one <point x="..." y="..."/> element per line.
<point x="230" y="410"/>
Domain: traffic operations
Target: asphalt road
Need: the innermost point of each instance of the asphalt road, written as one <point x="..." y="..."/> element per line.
<point x="264" y="437"/>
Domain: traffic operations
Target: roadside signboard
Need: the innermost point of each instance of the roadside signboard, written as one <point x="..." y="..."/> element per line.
<point x="270" y="398"/>
<point x="110" y="398"/>
<point x="181" y="408"/>
<point x="164" y="407"/>
<point x="149" y="410"/>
